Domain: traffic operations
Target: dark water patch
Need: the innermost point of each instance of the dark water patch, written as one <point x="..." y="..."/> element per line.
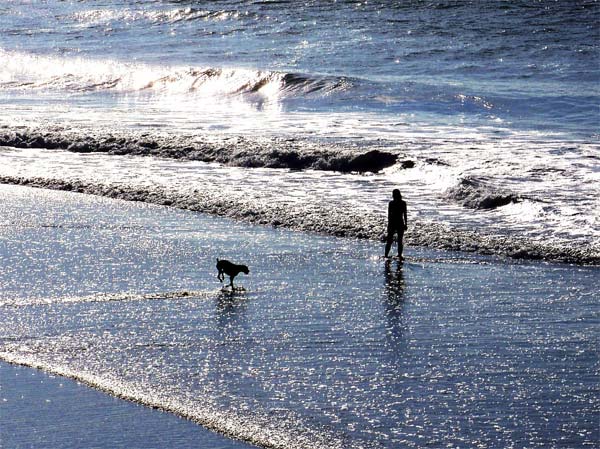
<point x="331" y="220"/>
<point x="238" y="151"/>
<point x="436" y="161"/>
<point x="298" y="83"/>
<point x="476" y="194"/>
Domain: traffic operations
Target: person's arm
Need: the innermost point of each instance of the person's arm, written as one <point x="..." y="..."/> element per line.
<point x="405" y="217"/>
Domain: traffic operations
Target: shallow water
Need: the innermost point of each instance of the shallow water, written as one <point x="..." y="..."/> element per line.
<point x="327" y="346"/>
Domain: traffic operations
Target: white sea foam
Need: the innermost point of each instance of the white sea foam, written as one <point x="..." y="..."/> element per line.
<point x="53" y="74"/>
<point x="564" y="218"/>
<point x="104" y="297"/>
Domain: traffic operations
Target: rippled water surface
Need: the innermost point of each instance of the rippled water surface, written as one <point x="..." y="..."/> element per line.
<point x="490" y="110"/>
<point x="519" y="64"/>
<point x="327" y="346"/>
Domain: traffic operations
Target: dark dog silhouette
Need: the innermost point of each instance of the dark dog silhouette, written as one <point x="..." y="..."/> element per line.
<point x="230" y="269"/>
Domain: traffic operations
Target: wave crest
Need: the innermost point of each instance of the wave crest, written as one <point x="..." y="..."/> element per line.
<point x="241" y="152"/>
<point x="114" y="17"/>
<point x="477" y="194"/>
<point x="22" y="71"/>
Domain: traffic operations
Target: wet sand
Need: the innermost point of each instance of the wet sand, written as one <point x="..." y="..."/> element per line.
<point x="329" y="346"/>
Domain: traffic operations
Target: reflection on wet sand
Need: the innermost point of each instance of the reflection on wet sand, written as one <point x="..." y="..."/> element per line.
<point x="329" y="347"/>
<point x="231" y="314"/>
<point x="394" y="304"/>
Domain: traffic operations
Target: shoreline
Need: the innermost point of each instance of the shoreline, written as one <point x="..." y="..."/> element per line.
<point x="330" y="221"/>
<point x="141" y="143"/>
<point x="63" y="406"/>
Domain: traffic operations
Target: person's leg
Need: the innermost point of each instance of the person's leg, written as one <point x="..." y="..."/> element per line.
<point x="389" y="241"/>
<point x="400" y="242"/>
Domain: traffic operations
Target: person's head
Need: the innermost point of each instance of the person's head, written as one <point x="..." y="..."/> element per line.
<point x="396" y="195"/>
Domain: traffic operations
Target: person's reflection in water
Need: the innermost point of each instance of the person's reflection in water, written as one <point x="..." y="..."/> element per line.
<point x="395" y="285"/>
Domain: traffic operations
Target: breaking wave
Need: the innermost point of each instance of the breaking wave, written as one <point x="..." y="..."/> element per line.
<point x="477" y="194"/>
<point x="94" y="18"/>
<point x="328" y="219"/>
<point x="238" y="151"/>
<point x="22" y="71"/>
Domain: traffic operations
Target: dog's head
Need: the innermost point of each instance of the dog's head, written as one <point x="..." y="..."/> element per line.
<point x="245" y="269"/>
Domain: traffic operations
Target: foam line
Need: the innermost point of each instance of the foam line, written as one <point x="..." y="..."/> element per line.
<point x="106" y="297"/>
<point x="330" y="220"/>
<point x="255" y="431"/>
<point x="241" y="151"/>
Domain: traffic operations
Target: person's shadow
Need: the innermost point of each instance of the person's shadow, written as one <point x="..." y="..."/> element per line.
<point x="394" y="301"/>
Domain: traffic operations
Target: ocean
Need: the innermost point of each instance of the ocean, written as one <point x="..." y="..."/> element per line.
<point x="301" y="118"/>
<point x="484" y="114"/>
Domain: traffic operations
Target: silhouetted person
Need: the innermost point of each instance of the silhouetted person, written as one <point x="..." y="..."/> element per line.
<point x="397" y="222"/>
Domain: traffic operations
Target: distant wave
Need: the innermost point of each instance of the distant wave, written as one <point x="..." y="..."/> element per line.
<point x="114" y="17"/>
<point x="23" y="71"/>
